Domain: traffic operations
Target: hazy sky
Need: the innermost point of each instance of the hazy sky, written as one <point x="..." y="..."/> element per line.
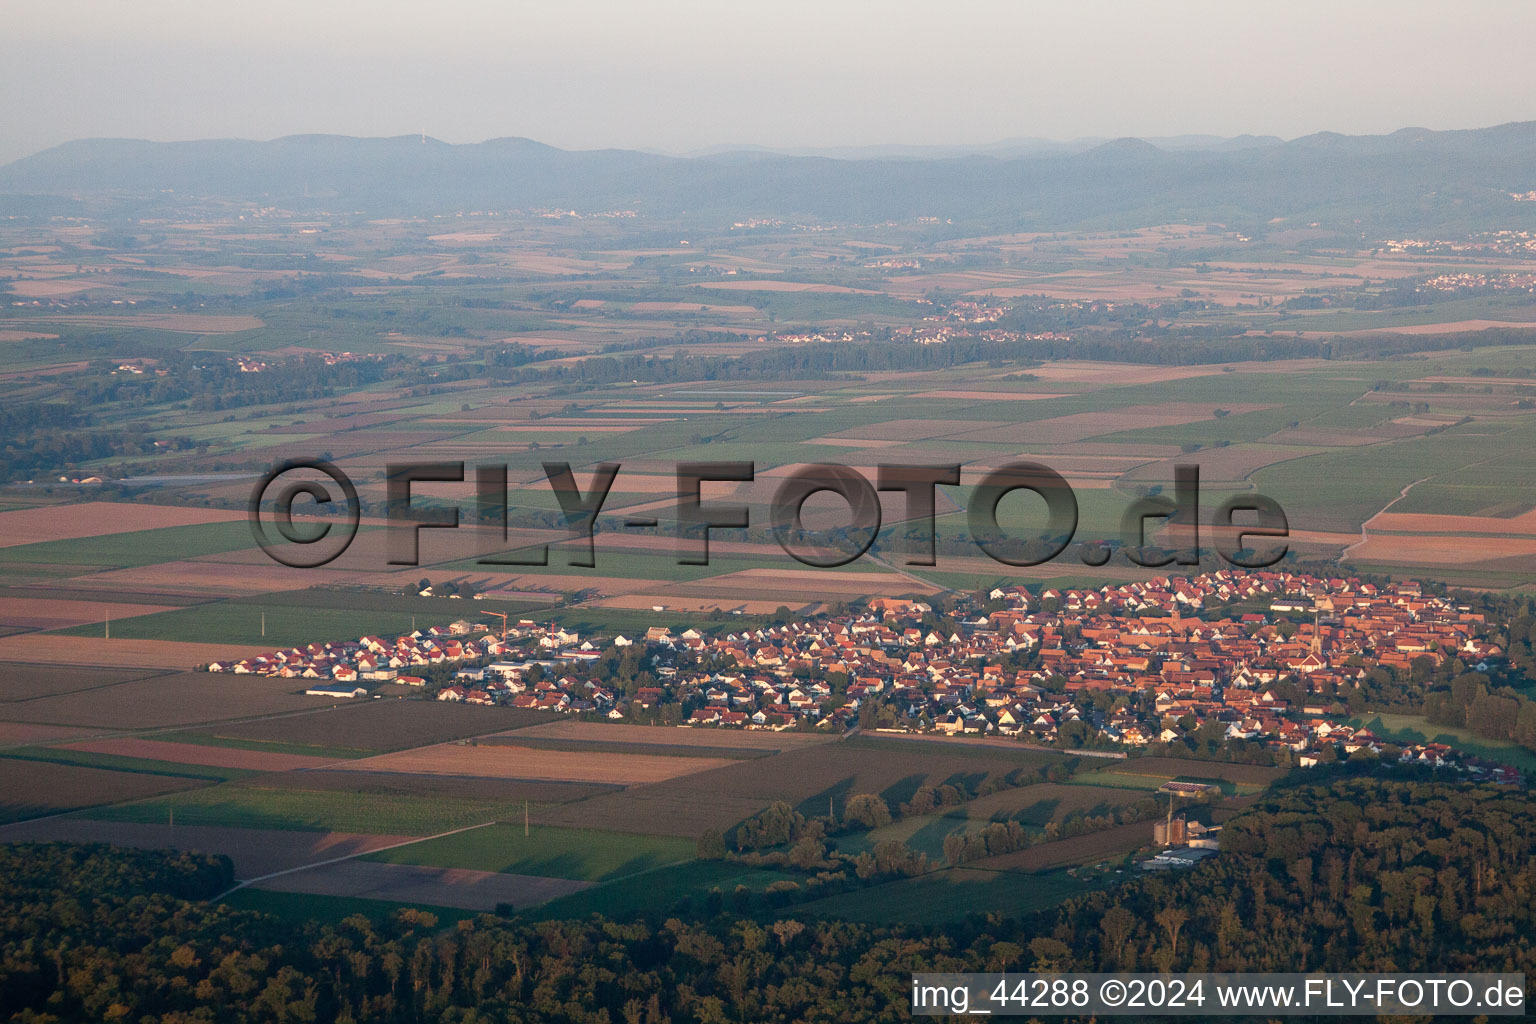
<point x="680" y="75"/>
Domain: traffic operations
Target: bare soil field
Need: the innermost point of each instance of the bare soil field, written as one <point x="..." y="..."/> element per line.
<point x="255" y="851"/>
<point x="192" y="753"/>
<point x="411" y="883"/>
<point x="36" y="788"/>
<point x="1410" y="522"/>
<point x="380" y="725"/>
<point x="232" y="574"/>
<point x="1437" y="549"/>
<point x="99" y="518"/>
<point x="52" y="649"/>
<point x="510" y="762"/>
<point x="48" y="613"/>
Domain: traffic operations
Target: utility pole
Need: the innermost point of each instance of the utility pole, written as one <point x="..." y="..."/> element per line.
<point x="525" y="819"/>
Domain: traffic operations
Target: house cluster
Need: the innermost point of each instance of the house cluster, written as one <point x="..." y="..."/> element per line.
<point x="1476" y="280"/>
<point x="1134" y="664"/>
<point x="1130" y="665"/>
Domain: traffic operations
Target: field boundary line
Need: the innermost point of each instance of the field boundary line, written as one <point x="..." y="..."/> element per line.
<point x="241" y="884"/>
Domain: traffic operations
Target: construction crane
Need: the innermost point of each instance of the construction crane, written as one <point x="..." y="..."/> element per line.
<point x="503" y="617"/>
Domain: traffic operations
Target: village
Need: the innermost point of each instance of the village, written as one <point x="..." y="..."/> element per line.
<point x="1114" y="669"/>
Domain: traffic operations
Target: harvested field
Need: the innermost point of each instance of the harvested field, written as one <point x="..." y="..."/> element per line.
<point x="412" y="883"/>
<point x="381" y="725"/>
<point x="181" y="698"/>
<point x="191" y="753"/>
<point x="36" y="788"/>
<point x="28" y="682"/>
<point x="98" y="519"/>
<point x="568" y="729"/>
<point x="27" y="734"/>
<point x="511" y="762"/>
<point x="1084" y="849"/>
<point x="254" y="851"/>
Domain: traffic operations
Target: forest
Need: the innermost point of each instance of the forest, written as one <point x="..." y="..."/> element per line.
<point x="1354" y="873"/>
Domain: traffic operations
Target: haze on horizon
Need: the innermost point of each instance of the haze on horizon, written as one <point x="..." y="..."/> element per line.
<point x="686" y="75"/>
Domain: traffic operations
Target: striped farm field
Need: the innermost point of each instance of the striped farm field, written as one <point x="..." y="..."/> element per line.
<point x="512" y="762"/>
<point x="670" y="736"/>
<point x="193" y="753"/>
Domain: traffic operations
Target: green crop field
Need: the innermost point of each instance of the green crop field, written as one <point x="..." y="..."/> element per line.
<point x="582" y="854"/>
<point x="314" y="810"/>
<point x="203" y="739"/>
<point x="120" y="763"/>
<point x="1416" y="729"/>
<point x="140" y="547"/>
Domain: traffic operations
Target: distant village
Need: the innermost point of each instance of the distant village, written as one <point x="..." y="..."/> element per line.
<point x="1118" y="668"/>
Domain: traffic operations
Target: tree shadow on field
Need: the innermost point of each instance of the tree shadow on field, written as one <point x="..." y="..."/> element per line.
<point x="970" y="781"/>
<point x="833" y="796"/>
<point x="901" y="791"/>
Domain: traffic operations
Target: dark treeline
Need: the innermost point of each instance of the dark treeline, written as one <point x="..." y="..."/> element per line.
<point x="1361" y="874"/>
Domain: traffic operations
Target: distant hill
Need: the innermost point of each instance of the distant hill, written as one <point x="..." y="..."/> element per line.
<point x="1409" y="180"/>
